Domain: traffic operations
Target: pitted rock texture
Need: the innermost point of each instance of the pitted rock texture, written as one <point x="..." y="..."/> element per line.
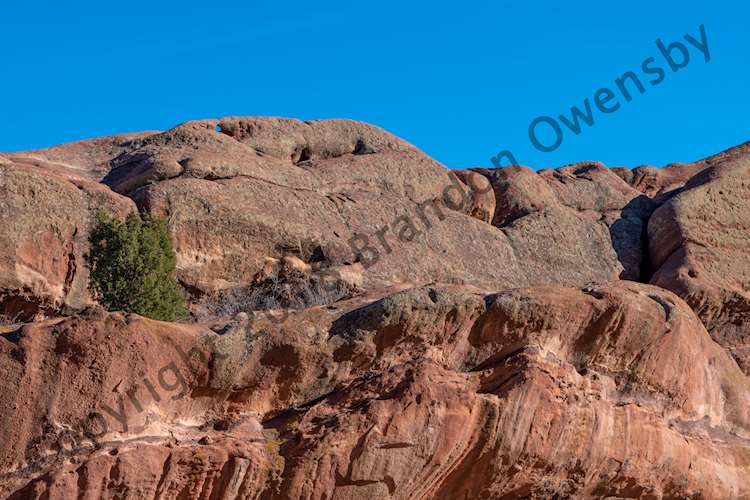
<point x="45" y="221"/>
<point x="487" y="336"/>
<point x="700" y="242"/>
<point x="237" y="191"/>
<point x="436" y="392"/>
<point x="337" y="193"/>
<point x="580" y="205"/>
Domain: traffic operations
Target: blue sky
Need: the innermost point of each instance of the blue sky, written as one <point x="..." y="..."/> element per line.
<point x="461" y="80"/>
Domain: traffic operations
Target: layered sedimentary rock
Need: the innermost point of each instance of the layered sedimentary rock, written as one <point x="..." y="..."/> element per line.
<point x="485" y="335"/>
<point x="614" y="390"/>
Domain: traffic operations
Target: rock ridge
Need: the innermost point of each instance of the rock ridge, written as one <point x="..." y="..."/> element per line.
<point x="572" y="332"/>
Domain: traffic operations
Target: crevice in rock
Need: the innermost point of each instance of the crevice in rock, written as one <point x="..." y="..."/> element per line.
<point x="70" y="273"/>
<point x="361" y="148"/>
<point x="194" y="292"/>
<point x="646" y="271"/>
<point x="305" y="155"/>
<point x="499" y="358"/>
<point x="22" y="306"/>
<point x="664" y="304"/>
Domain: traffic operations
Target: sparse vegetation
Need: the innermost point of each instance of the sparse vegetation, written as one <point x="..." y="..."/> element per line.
<point x="133" y="267"/>
<point x="198" y="466"/>
<point x="284" y="289"/>
<point x="6" y="320"/>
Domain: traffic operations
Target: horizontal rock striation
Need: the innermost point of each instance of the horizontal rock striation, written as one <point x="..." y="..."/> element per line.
<point x="578" y="332"/>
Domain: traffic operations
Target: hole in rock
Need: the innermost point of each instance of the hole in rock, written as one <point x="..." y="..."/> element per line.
<point x="361" y="148"/>
<point x="305" y="155"/>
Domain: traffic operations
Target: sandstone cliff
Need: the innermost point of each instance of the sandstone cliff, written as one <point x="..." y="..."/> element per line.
<point x="579" y="332"/>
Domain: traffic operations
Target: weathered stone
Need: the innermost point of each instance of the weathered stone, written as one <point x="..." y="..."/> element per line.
<point x="45" y="221"/>
<point x="369" y="324"/>
<point x="700" y="247"/>
<point x="436" y="392"/>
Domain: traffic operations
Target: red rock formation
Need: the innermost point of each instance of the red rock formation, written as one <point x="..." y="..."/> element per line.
<point x="498" y="354"/>
<point x="658" y="182"/>
<point x="699" y="243"/>
<point x="45" y="219"/>
<point x="324" y="190"/>
<point x="615" y="390"/>
<point x="584" y="207"/>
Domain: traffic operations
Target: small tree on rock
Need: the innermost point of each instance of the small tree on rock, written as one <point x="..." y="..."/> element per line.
<point x="133" y="267"/>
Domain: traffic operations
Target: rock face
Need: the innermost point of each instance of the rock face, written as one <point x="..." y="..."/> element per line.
<point x="700" y="241"/>
<point x="338" y="193"/>
<point x="615" y="390"/>
<point x="485" y="337"/>
<point x="238" y="191"/>
<point x="584" y="206"/>
<point x="661" y="182"/>
<point x="45" y="220"/>
<point x="114" y="414"/>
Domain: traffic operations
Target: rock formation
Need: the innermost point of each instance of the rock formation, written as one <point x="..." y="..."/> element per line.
<point x="579" y="332"/>
<point x="699" y="242"/>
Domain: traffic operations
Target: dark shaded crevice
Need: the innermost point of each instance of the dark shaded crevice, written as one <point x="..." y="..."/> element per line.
<point x="633" y="251"/>
<point x="361" y="148"/>
<point x="499" y="358"/>
<point x="277" y="419"/>
<point x="193" y="291"/>
<point x="304" y="156"/>
<point x="21" y="307"/>
<point x="70" y="273"/>
<point x="13" y="337"/>
<point x="647" y="270"/>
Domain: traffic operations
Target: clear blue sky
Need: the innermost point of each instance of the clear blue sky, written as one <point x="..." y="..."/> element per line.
<point x="461" y="80"/>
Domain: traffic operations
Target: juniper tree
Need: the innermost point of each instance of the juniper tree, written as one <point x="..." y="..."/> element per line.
<point x="133" y="267"/>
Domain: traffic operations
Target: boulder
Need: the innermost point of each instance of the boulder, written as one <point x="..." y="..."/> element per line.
<point x="584" y="207"/>
<point x="479" y="190"/>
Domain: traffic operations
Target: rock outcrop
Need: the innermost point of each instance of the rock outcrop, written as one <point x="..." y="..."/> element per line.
<point x="45" y="220"/>
<point x="369" y="324"/>
<point x="616" y="390"/>
<point x="700" y="243"/>
<point x="238" y="191"/>
<point x="584" y="206"/>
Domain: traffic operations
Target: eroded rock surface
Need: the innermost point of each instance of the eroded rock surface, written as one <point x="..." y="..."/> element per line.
<point x="584" y="206"/>
<point x="338" y="192"/>
<point x="480" y="339"/>
<point x="238" y="191"/>
<point x="45" y="220"/>
<point x="615" y="390"/>
<point x="700" y="243"/>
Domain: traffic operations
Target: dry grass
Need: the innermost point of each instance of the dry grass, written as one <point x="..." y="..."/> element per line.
<point x="285" y="289"/>
<point x="9" y="323"/>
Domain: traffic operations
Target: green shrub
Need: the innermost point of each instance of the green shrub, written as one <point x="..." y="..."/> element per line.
<point x="133" y="267"/>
